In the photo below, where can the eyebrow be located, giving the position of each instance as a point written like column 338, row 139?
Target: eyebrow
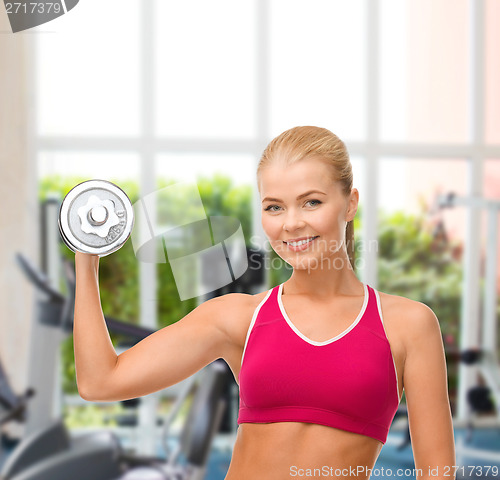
column 269, row 199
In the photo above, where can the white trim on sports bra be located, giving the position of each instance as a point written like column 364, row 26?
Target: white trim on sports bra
column 379, row 306
column 254, row 318
column 331, row 340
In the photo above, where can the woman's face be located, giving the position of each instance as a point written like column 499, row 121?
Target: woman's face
column 291, row 211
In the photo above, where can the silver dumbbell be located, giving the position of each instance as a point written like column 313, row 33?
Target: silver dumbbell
column 96, row 217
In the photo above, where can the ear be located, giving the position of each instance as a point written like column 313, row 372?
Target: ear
column 352, row 205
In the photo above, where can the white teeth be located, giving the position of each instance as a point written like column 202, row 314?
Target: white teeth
column 296, row 244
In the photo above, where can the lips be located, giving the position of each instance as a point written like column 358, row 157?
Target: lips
column 302, row 246
column 295, row 240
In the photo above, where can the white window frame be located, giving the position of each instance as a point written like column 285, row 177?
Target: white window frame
column 371, row 151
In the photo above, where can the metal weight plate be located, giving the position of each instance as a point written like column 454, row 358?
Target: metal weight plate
column 96, row 217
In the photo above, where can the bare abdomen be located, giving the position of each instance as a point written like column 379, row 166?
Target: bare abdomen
column 287, row 450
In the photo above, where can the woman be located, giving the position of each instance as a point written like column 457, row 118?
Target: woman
column 321, row 360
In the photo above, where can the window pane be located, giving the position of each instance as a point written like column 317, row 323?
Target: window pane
column 240, row 168
column 103, row 166
column 88, row 74
column 492, row 179
column 318, row 65
column 415, row 236
column 204, row 213
column 411, row 185
column 424, row 70
column 492, row 99
column 205, row 60
column 393, row 71
column 420, row 250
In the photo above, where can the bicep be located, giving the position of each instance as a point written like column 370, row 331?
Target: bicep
column 426, row 389
column 171, row 354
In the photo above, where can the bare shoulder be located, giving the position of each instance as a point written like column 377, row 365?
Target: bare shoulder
column 233, row 318
column 411, row 319
column 235, row 311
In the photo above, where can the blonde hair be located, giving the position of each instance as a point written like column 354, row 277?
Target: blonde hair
column 299, row 143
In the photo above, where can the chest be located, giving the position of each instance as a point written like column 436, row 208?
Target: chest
column 346, row 375
column 320, row 321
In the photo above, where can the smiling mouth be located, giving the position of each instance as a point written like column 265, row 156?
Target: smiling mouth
column 301, row 242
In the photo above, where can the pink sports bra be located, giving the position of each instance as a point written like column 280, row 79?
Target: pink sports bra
column 348, row 382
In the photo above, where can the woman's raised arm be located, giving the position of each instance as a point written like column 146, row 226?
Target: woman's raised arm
column 160, row 360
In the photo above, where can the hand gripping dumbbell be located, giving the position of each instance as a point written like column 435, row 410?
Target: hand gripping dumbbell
column 96, row 217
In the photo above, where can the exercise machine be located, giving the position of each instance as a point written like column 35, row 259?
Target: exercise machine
column 479, row 353
column 51, row 453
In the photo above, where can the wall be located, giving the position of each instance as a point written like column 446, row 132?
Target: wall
column 18, row 206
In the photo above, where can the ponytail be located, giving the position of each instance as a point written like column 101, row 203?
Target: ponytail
column 349, row 240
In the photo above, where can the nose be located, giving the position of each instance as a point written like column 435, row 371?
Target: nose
column 293, row 221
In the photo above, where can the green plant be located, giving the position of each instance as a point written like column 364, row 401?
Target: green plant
column 415, row 263
column 119, row 272
column 412, row 262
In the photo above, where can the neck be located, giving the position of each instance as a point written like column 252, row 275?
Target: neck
column 324, row 283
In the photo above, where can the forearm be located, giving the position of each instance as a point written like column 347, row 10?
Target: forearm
column 95, row 356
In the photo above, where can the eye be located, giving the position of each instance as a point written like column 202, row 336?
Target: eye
column 269, row 208
column 317, row 201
